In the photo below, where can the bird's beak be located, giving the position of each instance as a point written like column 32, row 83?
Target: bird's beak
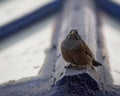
column 73, row 33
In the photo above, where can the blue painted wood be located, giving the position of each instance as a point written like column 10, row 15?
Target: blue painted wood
column 24, row 88
column 109, row 7
column 81, row 85
column 76, row 85
column 29, row 19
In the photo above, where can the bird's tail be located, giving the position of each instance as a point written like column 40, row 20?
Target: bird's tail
column 96, row 63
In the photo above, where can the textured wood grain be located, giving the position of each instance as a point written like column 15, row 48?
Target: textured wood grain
column 80, row 15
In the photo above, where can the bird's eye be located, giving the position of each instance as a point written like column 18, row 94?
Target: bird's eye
column 76, row 32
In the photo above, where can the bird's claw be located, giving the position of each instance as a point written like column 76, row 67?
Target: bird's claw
column 79, row 67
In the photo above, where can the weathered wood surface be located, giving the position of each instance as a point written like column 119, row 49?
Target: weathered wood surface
column 80, row 15
column 104, row 72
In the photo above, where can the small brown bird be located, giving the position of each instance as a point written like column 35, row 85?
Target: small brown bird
column 76, row 52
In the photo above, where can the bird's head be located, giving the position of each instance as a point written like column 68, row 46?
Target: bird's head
column 74, row 35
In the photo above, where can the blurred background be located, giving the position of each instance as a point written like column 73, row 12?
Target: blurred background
column 23, row 54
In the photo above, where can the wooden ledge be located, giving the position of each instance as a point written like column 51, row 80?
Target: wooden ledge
column 81, row 15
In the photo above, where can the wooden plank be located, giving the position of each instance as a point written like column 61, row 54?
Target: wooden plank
column 102, row 54
column 70, row 82
column 27, row 87
column 49, row 65
column 78, row 15
column 81, row 15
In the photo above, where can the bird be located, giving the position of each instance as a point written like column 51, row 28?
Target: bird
column 76, row 52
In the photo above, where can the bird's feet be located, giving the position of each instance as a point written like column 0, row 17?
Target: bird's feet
column 79, row 67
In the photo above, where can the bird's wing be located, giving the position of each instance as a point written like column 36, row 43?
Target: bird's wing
column 86, row 49
column 66, row 55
